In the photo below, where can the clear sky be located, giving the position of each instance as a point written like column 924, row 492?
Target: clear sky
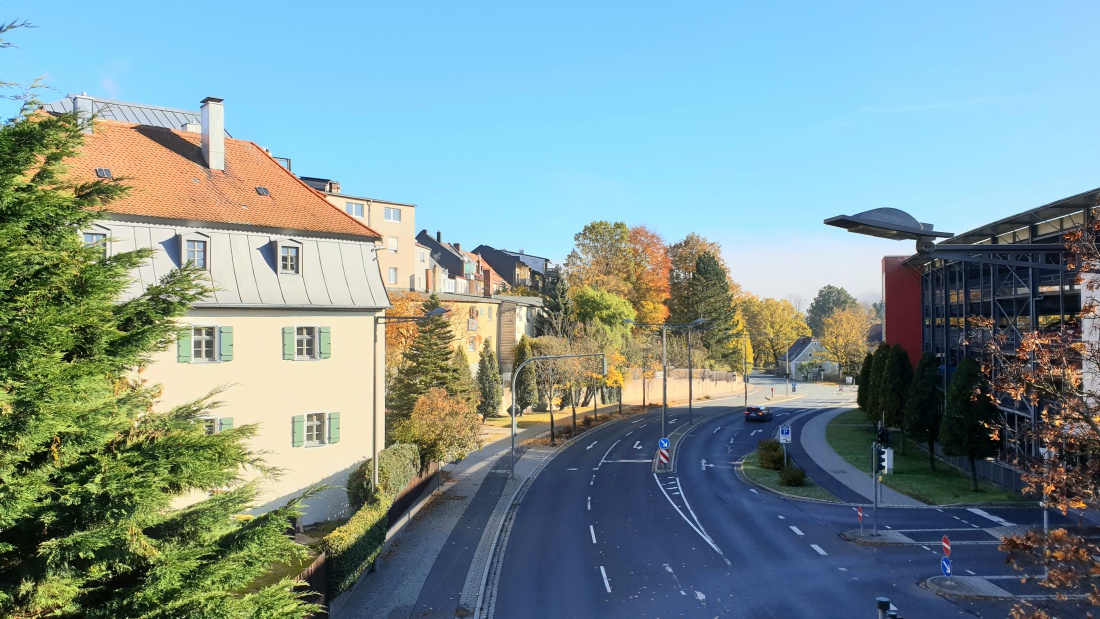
column 515, row 125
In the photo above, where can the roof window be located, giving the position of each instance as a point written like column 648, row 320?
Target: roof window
column 104, row 173
column 260, row 189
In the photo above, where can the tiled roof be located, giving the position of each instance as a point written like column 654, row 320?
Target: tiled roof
column 125, row 111
column 169, row 179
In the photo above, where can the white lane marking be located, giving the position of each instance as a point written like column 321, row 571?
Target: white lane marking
column 985, row 514
column 843, row 569
column 926, row 547
column 593, row 532
column 887, row 526
column 753, row 433
column 705, row 465
column 636, row 421
column 818, row 549
column 716, row 430
column 604, row 458
column 593, row 482
column 969, row 572
column 796, row 530
column 591, row 446
column 699, row 596
column 753, row 490
column 671, row 421
column 703, row 535
column 939, row 510
column 606, row 584
column 589, row 503
column 975, row 526
column 782, row 517
column 629, row 433
column 731, row 441
column 647, row 461
column 637, row 444
column 573, row 469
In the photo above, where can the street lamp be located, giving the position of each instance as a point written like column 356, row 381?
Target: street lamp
column 515, row 375
column 664, row 362
column 745, row 365
column 439, row 311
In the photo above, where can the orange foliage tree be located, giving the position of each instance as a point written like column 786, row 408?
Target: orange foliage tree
column 650, row 266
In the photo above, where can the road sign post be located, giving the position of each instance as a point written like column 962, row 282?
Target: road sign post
column 784, row 438
column 946, row 546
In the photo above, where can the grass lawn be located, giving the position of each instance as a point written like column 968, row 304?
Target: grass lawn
column 851, row 435
column 770, row 479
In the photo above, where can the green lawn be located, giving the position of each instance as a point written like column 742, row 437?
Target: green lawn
column 851, row 435
column 770, row 479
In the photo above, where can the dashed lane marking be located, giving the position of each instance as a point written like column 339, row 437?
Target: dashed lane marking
column 606, row 584
column 797, row 531
column 989, row 516
column 589, row 503
column 593, row 532
column 818, row 549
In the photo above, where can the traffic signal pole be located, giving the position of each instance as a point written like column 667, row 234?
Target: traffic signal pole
column 874, row 493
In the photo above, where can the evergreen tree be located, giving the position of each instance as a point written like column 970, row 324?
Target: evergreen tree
column 897, row 377
column 489, row 382
column 558, row 315
column 526, row 388
column 712, row 300
column 924, row 406
column 464, row 387
column 874, row 391
column 969, row 417
column 864, row 383
column 89, row 467
column 428, row 364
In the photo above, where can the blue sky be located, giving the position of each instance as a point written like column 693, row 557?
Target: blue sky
column 515, row 125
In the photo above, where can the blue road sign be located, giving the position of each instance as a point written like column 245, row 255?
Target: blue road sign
column 945, row 566
column 784, row 434
column 663, row 443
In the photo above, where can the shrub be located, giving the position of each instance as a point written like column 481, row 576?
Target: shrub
column 355, row 545
column 791, row 475
column 445, row 428
column 587, row 421
column 770, row 454
column 397, row 466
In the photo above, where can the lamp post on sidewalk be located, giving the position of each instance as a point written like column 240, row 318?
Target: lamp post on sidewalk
column 512, row 410
column 745, row 365
column 664, row 362
column 439, row 311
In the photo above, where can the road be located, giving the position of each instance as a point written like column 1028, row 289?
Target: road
column 600, row 534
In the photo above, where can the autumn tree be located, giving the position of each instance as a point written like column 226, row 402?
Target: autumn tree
column 844, row 336
column 489, row 382
column 683, row 257
column 773, row 325
column 601, row 258
column 649, row 273
column 924, row 406
column 604, row 310
column 550, row 374
column 829, row 300
column 442, row 426
column 969, row 417
column 400, row 334
column 427, row 364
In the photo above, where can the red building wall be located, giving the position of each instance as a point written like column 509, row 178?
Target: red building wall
column 901, row 322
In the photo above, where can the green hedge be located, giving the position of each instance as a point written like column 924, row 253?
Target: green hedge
column 397, row 466
column 350, row 549
column 770, row 453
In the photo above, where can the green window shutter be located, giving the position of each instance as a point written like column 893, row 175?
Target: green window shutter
column 298, row 431
column 288, row 343
column 183, row 347
column 334, row 427
column 225, row 423
column 225, row 343
column 325, row 335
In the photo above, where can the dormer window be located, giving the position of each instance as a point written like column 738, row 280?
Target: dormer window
column 289, row 257
column 195, row 249
column 104, row 173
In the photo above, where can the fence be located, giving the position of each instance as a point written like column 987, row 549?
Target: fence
column 314, row 578
column 993, row 471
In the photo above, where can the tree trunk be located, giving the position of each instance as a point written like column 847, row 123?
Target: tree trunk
column 551, row 422
column 973, row 474
column 932, row 455
column 643, row 393
column 620, row 400
column 573, row 403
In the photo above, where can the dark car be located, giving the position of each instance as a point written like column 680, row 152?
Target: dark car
column 758, row 413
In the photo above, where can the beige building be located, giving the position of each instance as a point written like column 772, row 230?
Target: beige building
column 288, row 330
column 394, row 221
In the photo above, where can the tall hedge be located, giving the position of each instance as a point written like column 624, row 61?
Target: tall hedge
column 350, row 549
column 397, row 466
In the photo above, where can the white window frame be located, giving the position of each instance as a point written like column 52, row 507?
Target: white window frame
column 471, row 343
column 210, row 424
column 186, row 238
column 391, row 244
column 423, row 255
column 190, row 253
column 319, row 423
column 391, row 275
column 351, row 207
column 316, row 341
column 392, row 213
column 286, row 247
column 215, row 343
column 105, row 239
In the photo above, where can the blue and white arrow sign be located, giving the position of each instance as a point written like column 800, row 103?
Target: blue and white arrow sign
column 663, row 443
column 945, row 566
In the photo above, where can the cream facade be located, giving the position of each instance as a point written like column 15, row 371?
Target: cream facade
column 397, row 253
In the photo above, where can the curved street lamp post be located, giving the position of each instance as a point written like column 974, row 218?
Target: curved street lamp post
column 698, row 322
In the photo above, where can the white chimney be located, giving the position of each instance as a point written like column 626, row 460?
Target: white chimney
column 213, row 133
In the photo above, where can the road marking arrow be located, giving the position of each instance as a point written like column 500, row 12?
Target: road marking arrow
column 591, row 446
column 716, row 430
column 754, row 432
column 637, row 445
column 705, row 465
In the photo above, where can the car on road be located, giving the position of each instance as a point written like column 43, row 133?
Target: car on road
column 758, row 413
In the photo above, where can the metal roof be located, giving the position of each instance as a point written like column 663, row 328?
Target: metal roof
column 124, row 111
column 1036, row 215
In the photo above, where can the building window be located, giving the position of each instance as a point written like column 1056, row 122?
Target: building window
column 471, row 344
column 392, row 275
column 355, row 209
column 210, row 425
column 423, row 256
column 196, row 253
column 315, row 429
column 214, row 425
column 489, row 312
column 288, row 260
column 306, row 343
column 393, row 214
column 204, row 344
column 391, row 244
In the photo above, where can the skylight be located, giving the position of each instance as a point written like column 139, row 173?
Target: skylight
column 262, row 190
column 104, row 173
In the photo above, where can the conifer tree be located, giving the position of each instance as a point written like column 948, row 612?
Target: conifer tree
column 897, row 377
column 89, row 466
column 464, row 388
column 874, row 391
column 864, row 385
column 969, row 417
column 526, row 387
column 427, row 364
column 924, row 406
column 488, row 382
column 558, row 318
column 712, row 300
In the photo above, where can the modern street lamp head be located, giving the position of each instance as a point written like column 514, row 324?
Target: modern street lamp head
column 697, row 322
column 890, row 223
column 627, row 321
column 439, row 311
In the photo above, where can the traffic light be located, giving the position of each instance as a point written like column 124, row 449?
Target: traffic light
column 883, row 436
column 882, row 462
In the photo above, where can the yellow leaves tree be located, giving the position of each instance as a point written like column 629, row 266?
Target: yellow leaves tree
column 444, row 428
column 774, row 325
column 649, row 270
column 844, row 336
column 400, row 335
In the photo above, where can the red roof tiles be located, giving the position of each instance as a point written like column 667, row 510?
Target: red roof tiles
column 169, row 179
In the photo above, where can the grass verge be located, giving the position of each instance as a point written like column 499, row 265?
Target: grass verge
column 770, row 479
column 851, row 435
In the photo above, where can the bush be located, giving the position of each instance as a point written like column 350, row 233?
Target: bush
column 354, row 546
column 587, row 421
column 770, row 454
column 398, row 465
column 791, row 475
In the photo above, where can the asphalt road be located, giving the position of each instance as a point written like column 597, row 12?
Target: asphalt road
column 600, row 535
